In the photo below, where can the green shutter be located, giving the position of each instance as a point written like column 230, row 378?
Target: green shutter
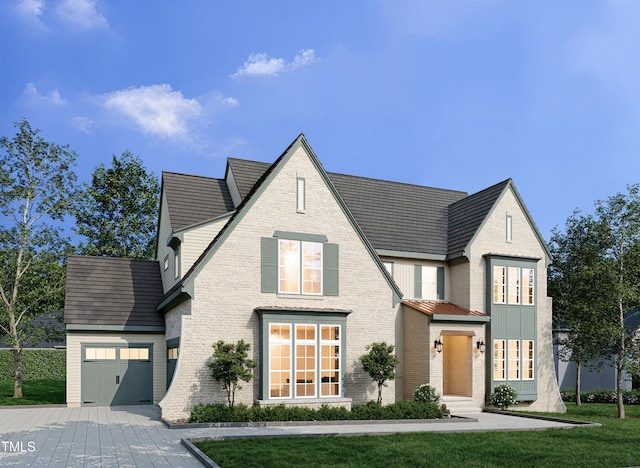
column 417, row 277
column 441, row 283
column 269, row 264
column 330, row 270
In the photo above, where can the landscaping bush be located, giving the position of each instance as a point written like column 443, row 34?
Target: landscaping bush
column 630, row 397
column 504, row 396
column 218, row 412
column 425, row 393
column 37, row 364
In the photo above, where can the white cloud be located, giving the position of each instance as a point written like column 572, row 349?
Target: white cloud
column 53, row 97
column 260, row 64
column 84, row 124
column 156, row 109
column 81, row 13
column 30, row 8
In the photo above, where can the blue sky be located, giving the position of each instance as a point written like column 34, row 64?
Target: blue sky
column 452, row 94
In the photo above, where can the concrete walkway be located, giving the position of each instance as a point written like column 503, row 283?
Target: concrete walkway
column 134, row 436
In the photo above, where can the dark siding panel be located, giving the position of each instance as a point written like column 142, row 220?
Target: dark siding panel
column 331, row 270
column 269, row 264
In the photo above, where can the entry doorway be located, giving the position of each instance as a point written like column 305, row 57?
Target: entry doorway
column 457, row 365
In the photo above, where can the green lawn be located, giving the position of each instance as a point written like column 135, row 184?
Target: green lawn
column 35, row 392
column 616, row 443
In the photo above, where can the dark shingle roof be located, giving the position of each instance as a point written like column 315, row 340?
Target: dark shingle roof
column 246, row 173
column 112, row 291
column 466, row 215
column 393, row 215
column 192, row 199
column 397, row 216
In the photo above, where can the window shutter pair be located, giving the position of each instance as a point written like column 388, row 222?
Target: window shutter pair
column 269, row 267
column 417, row 277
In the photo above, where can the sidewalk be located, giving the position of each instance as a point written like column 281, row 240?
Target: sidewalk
column 134, row 435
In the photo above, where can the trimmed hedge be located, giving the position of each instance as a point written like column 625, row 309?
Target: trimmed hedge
column 631, row 397
column 218, row 412
column 36, row 364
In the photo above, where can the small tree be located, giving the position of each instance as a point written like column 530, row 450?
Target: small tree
column 231, row 364
column 380, row 364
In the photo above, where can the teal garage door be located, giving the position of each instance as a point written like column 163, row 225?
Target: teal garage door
column 117, row 374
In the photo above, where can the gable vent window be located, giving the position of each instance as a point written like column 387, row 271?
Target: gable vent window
column 509, row 227
column 301, row 195
column 176, row 264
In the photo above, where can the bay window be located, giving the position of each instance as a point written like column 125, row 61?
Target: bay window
column 304, row 373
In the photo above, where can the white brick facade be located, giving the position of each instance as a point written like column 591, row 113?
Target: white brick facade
column 227, row 290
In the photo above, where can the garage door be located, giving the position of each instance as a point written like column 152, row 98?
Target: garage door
column 117, row 375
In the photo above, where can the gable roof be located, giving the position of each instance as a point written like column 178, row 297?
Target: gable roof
column 112, row 291
column 186, row 286
column 467, row 215
column 394, row 216
column 192, row 199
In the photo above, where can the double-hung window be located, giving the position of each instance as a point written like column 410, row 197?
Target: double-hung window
column 429, row 282
column 300, row 267
column 294, row 263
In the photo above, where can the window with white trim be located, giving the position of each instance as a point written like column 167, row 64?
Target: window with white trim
column 296, row 369
column 513, row 359
column 528, row 360
column 513, row 285
column 299, row 267
column 509, row 228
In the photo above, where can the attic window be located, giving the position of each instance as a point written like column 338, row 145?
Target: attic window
column 300, row 199
column 509, row 227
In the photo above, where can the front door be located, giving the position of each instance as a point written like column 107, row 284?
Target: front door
column 457, row 365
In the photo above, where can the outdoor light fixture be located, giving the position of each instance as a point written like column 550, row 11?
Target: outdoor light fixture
column 481, row 345
column 438, row 345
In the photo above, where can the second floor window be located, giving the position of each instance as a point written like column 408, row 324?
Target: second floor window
column 299, row 267
column 513, row 285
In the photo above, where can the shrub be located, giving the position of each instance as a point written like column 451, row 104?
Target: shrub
column 425, row 393
column 219, row 412
column 630, row 397
column 38, row 364
column 504, row 396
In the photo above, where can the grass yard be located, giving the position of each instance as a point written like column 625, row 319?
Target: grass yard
column 35, row 392
column 616, row 443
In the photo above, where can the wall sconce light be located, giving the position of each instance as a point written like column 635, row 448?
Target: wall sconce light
column 438, row 345
column 481, row 345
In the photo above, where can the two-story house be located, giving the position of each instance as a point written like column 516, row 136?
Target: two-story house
column 309, row 268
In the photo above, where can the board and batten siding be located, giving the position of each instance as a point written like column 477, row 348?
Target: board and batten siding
column 74, row 359
column 196, row 240
column 404, row 274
